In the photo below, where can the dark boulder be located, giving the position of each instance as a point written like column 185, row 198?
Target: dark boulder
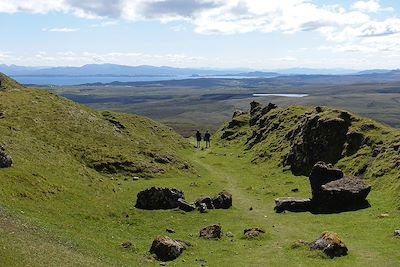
column 202, row 208
column 345, row 192
column 159, row 198
column 331, row 244
column 167, row 249
column 253, row 232
column 204, row 200
column 321, row 174
column 212, row 231
column 183, row 205
column 5, row 159
column 222, row 201
column 292, row 204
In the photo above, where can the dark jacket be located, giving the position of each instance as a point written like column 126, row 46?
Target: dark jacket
column 198, row 136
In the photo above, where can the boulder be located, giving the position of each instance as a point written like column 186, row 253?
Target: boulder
column 159, row 198
column 5, row 159
column 257, row 111
column 222, row 201
column 238, row 113
column 331, row 244
column 183, row 205
column 204, row 200
column 253, row 232
column 167, row 249
column 212, row 231
column 345, row 192
column 321, row 174
column 292, row 204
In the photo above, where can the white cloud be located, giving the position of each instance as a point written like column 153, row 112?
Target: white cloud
column 61, row 29
column 334, row 22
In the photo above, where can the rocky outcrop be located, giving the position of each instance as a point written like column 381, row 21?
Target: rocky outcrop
column 331, row 244
column 5, row 159
column 211, row 232
column 167, row 249
column 257, row 111
column 159, row 198
column 317, row 138
column 396, row 233
column 292, row 204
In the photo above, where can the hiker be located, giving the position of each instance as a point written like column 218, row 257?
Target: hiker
column 198, row 139
column 207, row 137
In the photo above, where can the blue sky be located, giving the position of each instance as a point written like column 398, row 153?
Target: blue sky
column 202, row 33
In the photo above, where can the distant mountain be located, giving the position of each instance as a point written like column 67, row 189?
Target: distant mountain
column 110, row 70
column 374, row 71
column 147, row 70
column 311, row 71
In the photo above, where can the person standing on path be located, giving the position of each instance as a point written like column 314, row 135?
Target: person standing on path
column 198, row 139
column 207, row 137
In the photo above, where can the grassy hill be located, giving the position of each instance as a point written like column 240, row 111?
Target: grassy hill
column 69, row 198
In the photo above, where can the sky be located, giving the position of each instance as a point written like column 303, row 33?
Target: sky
column 255, row 34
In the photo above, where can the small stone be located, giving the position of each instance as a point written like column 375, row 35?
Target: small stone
column 384, row 215
column 397, row 233
column 212, row 231
column 229, row 234
column 135, row 178
column 251, row 208
column 170, row 230
column 127, row 245
column 253, row 232
column 202, row 208
column 295, row 190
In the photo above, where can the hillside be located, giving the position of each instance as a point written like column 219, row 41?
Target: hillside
column 69, row 197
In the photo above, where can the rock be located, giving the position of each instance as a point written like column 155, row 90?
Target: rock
column 159, row 198
column 292, row 204
column 238, row 113
column 183, row 205
column 204, row 200
column 345, row 192
column 222, row 201
column 331, row 244
column 321, row 174
column 253, row 232
column 167, row 249
column 257, row 111
column 397, row 233
column 212, row 231
column 135, row 178
column 5, row 160
column 170, row 230
column 295, row 190
column 127, row 245
column 229, row 234
column 317, row 138
column 202, row 208
column 384, row 215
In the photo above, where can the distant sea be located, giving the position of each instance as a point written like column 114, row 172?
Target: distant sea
column 77, row 80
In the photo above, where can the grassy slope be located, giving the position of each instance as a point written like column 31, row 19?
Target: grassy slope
column 59, row 211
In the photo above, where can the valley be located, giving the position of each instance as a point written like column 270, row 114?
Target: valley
column 69, row 196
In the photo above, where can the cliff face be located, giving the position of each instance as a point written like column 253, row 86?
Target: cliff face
column 299, row 137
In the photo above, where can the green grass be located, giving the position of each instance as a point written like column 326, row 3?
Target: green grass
column 58, row 210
